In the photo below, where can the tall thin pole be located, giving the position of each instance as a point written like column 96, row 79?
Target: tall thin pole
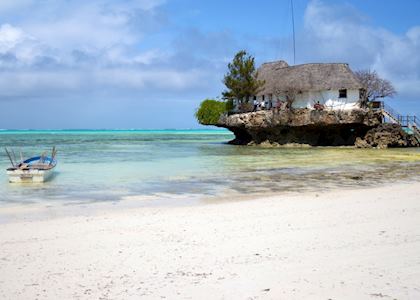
column 294, row 41
column 10, row 157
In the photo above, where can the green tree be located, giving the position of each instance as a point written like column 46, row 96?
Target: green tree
column 210, row 111
column 241, row 79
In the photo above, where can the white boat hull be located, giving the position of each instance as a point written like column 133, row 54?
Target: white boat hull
column 26, row 176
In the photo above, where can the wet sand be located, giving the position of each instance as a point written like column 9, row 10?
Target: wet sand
column 341, row 244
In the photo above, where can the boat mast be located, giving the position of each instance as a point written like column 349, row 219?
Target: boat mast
column 293, row 26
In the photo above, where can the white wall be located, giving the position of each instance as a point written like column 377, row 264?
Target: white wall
column 328, row 98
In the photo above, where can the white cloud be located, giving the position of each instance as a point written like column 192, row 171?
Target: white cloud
column 18, row 47
column 84, row 45
column 414, row 35
column 9, row 37
column 87, row 47
column 93, row 24
column 339, row 33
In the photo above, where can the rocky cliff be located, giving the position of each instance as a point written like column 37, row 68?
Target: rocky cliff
column 387, row 135
column 302, row 126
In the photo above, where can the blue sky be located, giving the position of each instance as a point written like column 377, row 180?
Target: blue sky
column 149, row 63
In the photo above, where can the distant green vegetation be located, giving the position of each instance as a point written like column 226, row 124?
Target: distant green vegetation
column 210, row 111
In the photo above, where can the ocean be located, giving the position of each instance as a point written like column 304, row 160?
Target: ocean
column 176, row 166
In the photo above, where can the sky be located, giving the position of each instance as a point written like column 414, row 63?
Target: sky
column 147, row 64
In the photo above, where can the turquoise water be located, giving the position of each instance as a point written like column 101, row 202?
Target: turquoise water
column 112, row 165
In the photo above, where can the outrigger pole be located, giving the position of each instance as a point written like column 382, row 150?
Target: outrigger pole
column 10, row 157
column 53, row 153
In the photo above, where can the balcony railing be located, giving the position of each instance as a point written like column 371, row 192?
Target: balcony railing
column 390, row 113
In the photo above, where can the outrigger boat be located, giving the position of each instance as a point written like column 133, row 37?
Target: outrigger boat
column 36, row 169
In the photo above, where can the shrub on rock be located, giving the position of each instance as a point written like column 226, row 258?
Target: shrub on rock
column 210, row 111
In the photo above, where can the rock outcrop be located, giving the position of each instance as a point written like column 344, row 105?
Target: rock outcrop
column 361, row 128
column 387, row 135
column 301, row 126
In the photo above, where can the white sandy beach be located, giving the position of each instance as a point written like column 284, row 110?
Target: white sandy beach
column 352, row 244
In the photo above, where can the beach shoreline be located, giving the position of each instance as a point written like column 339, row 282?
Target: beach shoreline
column 41, row 210
column 338, row 244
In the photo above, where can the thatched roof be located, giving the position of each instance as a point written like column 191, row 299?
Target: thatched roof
column 308, row 77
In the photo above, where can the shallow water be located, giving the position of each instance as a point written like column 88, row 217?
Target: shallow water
column 113, row 165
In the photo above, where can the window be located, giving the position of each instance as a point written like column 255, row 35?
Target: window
column 255, row 97
column 342, row 93
column 263, row 97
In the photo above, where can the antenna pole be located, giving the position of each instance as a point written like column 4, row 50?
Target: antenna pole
column 294, row 41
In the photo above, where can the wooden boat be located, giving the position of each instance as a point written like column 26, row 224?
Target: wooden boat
column 36, row 169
